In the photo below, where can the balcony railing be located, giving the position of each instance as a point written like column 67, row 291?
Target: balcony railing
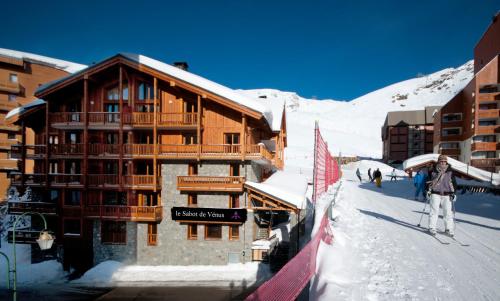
column 35, row 180
column 488, row 97
column 66, row 180
column 40, row 207
column 484, row 146
column 102, row 180
column 141, row 181
column 74, row 118
column 6, row 86
column 177, row 119
column 450, row 151
column 103, row 149
column 127, row 213
column 485, row 163
column 8, row 143
column 7, row 106
column 203, row 183
column 9, row 164
column 67, row 149
column 32, row 151
column 486, row 129
column 485, row 114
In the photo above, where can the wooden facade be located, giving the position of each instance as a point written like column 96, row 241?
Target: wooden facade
column 108, row 130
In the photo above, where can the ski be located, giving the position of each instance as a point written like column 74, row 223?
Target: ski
column 459, row 242
column 439, row 239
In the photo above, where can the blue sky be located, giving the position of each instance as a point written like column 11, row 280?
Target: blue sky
column 323, row 49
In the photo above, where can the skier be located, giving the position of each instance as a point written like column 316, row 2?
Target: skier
column 419, row 183
column 377, row 175
column 370, row 174
column 393, row 175
column 358, row 173
column 442, row 188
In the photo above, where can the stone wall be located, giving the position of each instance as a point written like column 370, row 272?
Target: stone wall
column 126, row 253
column 173, row 247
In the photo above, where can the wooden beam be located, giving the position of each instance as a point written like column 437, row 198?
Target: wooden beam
column 172, row 83
column 85, row 132
column 120, row 131
column 198, row 127
column 243, row 136
column 155, row 132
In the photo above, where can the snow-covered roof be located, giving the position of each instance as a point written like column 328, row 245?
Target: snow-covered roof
column 20, row 110
column 482, row 175
column 286, row 186
column 271, row 112
column 43, row 60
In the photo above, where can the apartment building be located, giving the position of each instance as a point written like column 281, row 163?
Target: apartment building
column 406, row 134
column 468, row 126
column 141, row 162
column 20, row 75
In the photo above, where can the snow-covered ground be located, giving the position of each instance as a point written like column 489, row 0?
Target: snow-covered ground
column 380, row 254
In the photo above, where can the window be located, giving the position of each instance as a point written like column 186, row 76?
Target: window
column 11, row 136
column 54, row 196
column 13, row 78
column 452, row 117
column 213, row 232
column 450, row 145
column 232, row 138
column 113, row 232
column 114, row 198
column 234, row 170
column 112, row 93
column 486, row 122
column 234, row 201
column 53, row 168
column 145, row 91
column 53, row 139
column 72, row 198
column 234, row 232
column 192, row 231
column 12, row 97
column 192, row 200
column 486, row 138
column 72, row 227
column 152, row 234
column 189, row 139
column 113, row 115
column 451, row 131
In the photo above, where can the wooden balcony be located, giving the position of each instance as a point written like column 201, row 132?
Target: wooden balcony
column 488, row 114
column 203, row 183
column 66, row 180
column 9, row 164
column 103, row 180
column 165, row 120
column 104, row 149
column 6, row 144
column 32, row 151
column 7, row 106
column 488, row 97
column 141, row 182
column 488, row 164
column 486, row 129
column 9, row 87
column 125, row 213
column 67, row 150
column 34, row 180
column 40, row 207
column 73, row 119
column 484, row 146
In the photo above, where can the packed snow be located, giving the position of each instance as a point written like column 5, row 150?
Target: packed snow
column 379, row 253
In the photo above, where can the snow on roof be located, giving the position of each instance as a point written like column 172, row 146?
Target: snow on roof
column 205, row 84
column 44, row 60
column 286, row 186
column 22, row 109
column 493, row 178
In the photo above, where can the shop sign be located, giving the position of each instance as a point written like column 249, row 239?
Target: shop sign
column 209, row 214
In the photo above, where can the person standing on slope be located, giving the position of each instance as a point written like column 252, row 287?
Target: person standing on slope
column 370, row 174
column 442, row 187
column 377, row 175
column 393, row 175
column 358, row 173
column 419, row 183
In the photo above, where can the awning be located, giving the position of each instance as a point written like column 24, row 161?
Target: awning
column 14, row 115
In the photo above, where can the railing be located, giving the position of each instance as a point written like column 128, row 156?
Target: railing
column 486, row 129
column 29, row 179
column 488, row 97
column 9, row 164
column 484, row 146
column 450, row 151
column 67, row 149
column 177, row 151
column 7, row 143
column 102, row 180
column 104, row 118
column 489, row 162
column 103, row 149
column 129, row 213
column 141, row 181
column 6, row 86
column 138, row 118
column 490, row 113
column 203, row 183
column 218, row 149
column 7, row 106
column 177, row 119
column 66, row 117
column 23, row 207
column 139, row 149
column 32, row 151
column 66, row 180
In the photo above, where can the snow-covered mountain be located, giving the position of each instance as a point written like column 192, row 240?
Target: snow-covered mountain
column 354, row 127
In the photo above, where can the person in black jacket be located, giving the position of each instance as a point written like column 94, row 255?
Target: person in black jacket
column 442, row 188
column 370, row 174
column 377, row 175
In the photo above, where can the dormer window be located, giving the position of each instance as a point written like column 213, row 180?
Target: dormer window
column 145, row 91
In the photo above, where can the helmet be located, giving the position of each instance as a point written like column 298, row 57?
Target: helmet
column 442, row 158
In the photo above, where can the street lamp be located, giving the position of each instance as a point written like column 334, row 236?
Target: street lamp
column 45, row 241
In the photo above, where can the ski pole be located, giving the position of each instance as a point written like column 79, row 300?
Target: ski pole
column 423, row 210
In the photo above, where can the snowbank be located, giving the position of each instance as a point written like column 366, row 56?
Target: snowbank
column 479, row 174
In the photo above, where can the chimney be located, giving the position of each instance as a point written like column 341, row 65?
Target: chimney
column 181, row 65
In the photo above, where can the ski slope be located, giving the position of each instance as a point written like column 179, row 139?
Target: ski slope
column 380, row 254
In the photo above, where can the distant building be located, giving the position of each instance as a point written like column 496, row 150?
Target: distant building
column 20, row 74
column 468, row 126
column 406, row 134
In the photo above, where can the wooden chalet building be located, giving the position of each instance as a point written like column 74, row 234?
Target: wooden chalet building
column 141, row 162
